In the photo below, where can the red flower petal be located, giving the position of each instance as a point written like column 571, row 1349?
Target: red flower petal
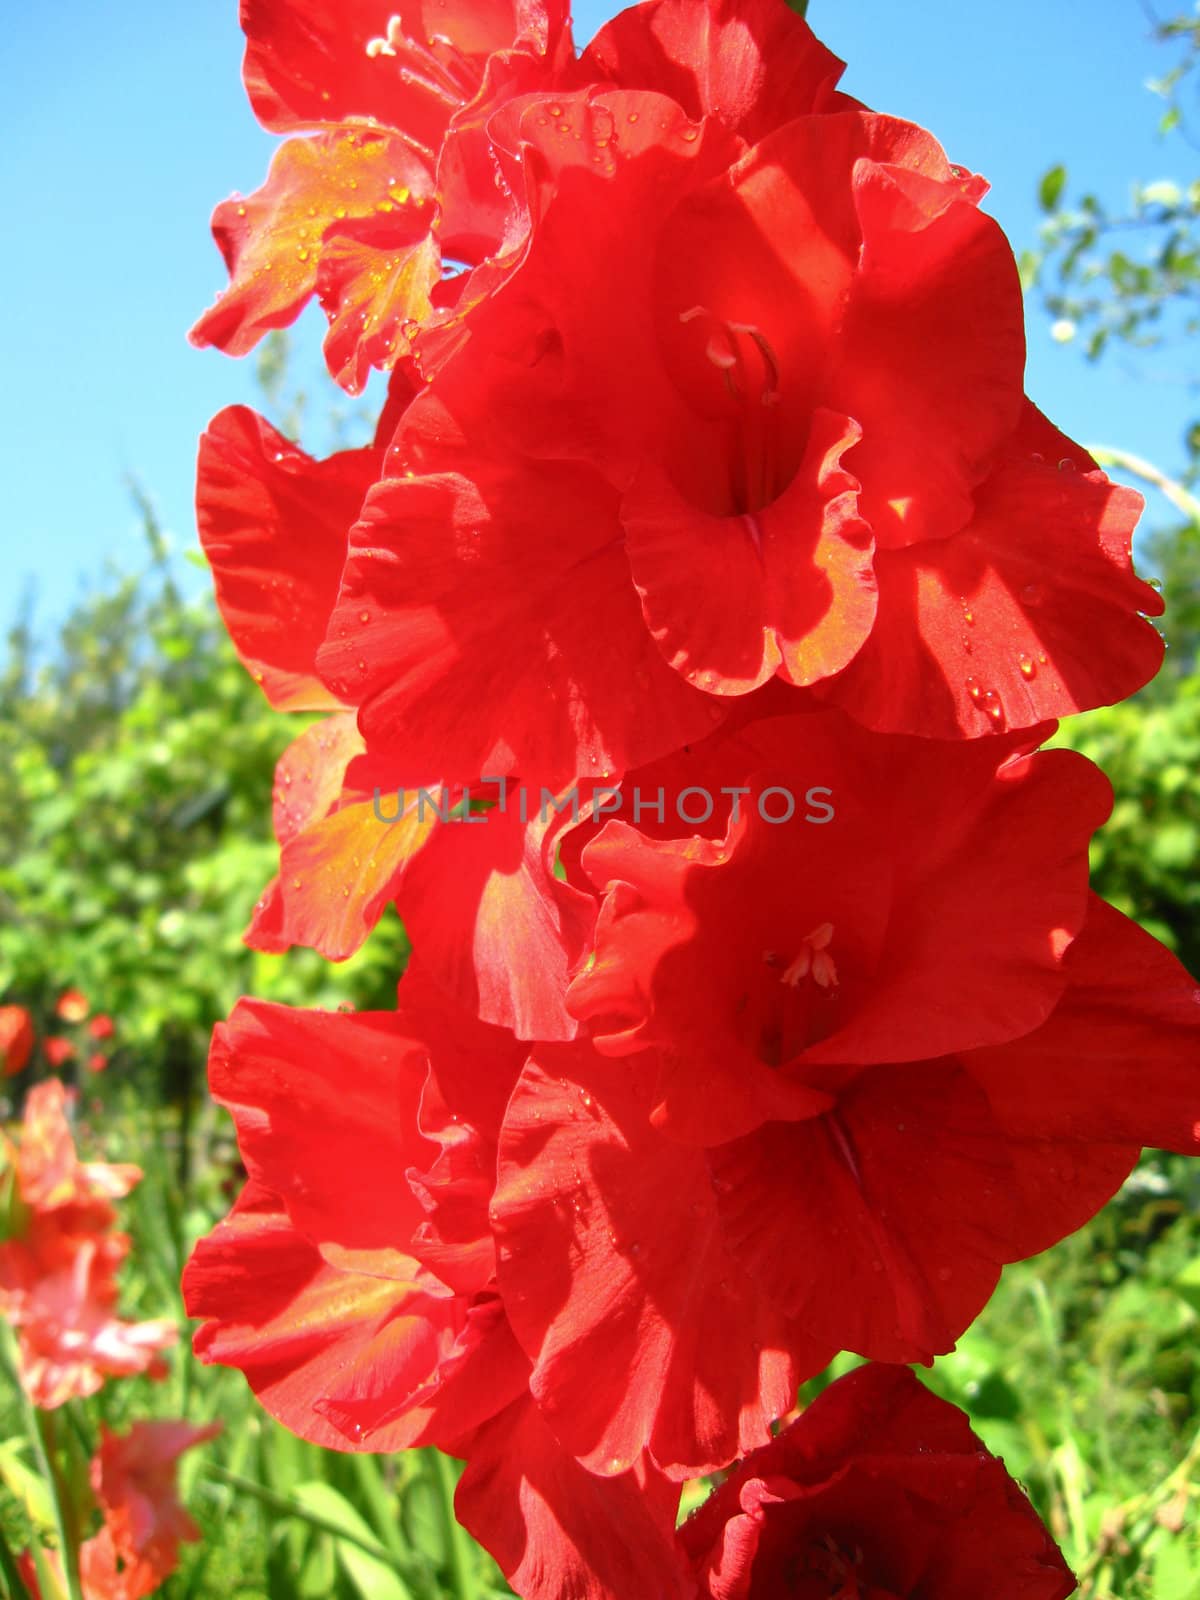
column 931, row 357
column 645, row 1331
column 317, row 1290
column 274, row 524
column 1118, row 1059
column 306, row 64
column 790, row 588
column 557, row 1529
column 312, row 1339
column 910, row 1197
column 333, row 209
column 520, row 566
column 16, row 1039
column 998, row 625
column 753, row 64
column 308, row 1089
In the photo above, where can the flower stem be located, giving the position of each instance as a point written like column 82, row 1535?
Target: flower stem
column 39, row 1427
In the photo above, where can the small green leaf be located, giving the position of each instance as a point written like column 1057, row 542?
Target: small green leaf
column 1051, row 187
column 25, row 1485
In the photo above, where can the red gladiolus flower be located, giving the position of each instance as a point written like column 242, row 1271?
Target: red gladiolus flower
column 59, row 1264
column 16, row 1039
column 848, row 933
column 879, row 1491
column 133, row 1477
column 52, row 1180
column 785, row 386
column 393, row 172
column 368, row 1317
column 58, row 1051
column 710, row 478
column 101, row 1026
column 72, row 1005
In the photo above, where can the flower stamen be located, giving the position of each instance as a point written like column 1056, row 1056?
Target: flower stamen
column 813, row 959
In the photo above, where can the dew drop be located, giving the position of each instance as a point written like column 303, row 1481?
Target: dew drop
column 364, row 616
column 1027, row 665
column 1066, row 465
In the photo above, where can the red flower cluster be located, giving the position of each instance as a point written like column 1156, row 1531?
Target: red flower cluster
column 687, row 638
column 74, row 1008
column 59, row 1259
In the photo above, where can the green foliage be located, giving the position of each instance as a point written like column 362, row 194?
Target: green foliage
column 1143, row 860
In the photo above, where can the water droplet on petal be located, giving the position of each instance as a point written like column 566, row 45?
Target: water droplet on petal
column 1027, row 665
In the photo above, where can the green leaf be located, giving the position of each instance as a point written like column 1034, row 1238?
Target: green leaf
column 1051, row 187
column 25, row 1485
column 373, row 1577
column 1176, row 1573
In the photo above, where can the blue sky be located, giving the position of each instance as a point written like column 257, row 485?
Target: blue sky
column 124, row 123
